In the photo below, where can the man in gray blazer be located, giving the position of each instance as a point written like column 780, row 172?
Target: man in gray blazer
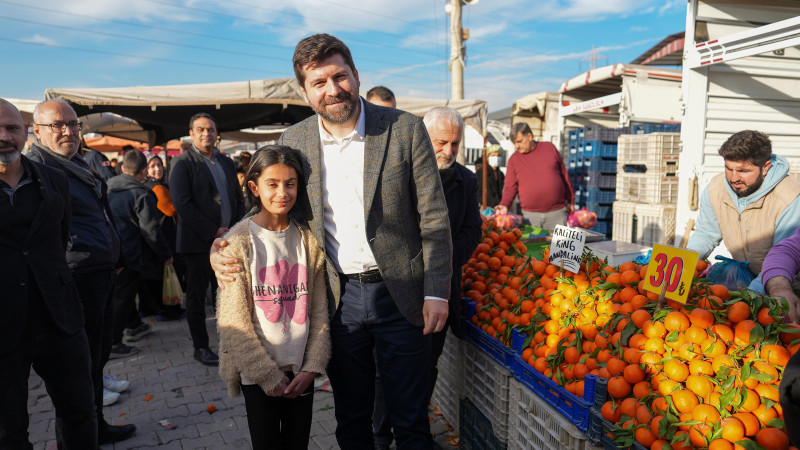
column 376, row 205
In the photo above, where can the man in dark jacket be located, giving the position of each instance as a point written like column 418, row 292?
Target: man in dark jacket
column 41, row 322
column 446, row 129
column 99, row 163
column 144, row 246
column 93, row 250
column 207, row 196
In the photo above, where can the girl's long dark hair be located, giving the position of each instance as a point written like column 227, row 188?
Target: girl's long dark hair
column 270, row 155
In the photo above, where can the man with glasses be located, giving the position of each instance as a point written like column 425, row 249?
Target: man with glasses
column 41, row 323
column 93, row 250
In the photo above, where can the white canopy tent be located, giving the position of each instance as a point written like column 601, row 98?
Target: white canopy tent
column 262, row 108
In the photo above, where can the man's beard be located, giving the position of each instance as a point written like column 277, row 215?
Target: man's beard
column 748, row 190
column 444, row 164
column 342, row 113
column 9, row 156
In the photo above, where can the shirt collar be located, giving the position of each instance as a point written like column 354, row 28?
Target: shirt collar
column 214, row 153
column 360, row 128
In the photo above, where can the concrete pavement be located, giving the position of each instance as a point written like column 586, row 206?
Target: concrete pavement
column 168, row 384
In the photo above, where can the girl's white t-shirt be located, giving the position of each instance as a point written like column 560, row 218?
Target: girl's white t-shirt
column 279, row 275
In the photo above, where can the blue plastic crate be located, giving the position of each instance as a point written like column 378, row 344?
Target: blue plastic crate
column 647, row 128
column 573, row 135
column 599, row 164
column 595, row 432
column 604, row 196
column 602, row 227
column 489, row 345
column 599, row 180
column 602, row 210
column 574, row 408
column 475, row 429
column 599, row 148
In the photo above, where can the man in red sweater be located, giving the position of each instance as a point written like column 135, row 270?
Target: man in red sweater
column 537, row 173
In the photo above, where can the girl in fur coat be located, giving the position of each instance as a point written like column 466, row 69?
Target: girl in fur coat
column 273, row 320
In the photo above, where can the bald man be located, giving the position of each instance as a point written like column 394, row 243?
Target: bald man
column 41, row 322
column 93, row 251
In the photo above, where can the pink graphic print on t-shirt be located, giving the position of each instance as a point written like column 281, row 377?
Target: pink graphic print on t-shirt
column 283, row 293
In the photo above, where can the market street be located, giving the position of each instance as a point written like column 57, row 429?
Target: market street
column 182, row 390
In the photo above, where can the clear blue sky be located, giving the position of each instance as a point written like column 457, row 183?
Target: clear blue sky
column 516, row 47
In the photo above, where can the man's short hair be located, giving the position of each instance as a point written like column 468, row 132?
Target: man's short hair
column 37, row 115
column 445, row 114
column 315, row 49
column 133, row 162
column 202, row 115
column 748, row 145
column 519, row 127
column 382, row 92
column 127, row 148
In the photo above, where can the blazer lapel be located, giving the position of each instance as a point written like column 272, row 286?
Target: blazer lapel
column 312, row 148
column 374, row 153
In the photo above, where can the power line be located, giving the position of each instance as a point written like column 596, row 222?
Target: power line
column 260, row 22
column 127, row 55
column 136, row 38
column 176, row 31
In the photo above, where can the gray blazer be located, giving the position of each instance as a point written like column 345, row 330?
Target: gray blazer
column 406, row 218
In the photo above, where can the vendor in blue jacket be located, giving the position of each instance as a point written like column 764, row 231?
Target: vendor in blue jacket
column 752, row 206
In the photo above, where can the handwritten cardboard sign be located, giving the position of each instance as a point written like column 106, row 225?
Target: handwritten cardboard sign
column 670, row 271
column 567, row 246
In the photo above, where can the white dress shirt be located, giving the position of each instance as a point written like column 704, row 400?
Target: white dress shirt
column 342, row 171
column 343, row 199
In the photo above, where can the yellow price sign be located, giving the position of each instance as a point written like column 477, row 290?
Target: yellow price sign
column 670, row 271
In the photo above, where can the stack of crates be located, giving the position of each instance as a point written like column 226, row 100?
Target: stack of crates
column 592, row 166
column 647, row 187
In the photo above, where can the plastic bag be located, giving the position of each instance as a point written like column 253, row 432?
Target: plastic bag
column 507, row 221
column 171, row 293
column 730, row 273
column 582, row 218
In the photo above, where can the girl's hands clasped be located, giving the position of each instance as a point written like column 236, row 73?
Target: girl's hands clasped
column 299, row 385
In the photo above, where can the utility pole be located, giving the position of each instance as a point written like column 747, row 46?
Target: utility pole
column 457, row 49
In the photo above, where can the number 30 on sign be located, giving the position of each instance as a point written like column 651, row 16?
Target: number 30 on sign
column 671, row 270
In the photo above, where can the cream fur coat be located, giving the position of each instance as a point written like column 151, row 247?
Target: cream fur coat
column 240, row 350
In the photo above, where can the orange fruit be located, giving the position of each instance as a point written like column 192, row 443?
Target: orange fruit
column 701, row 367
column 750, row 422
column 701, row 318
column 775, row 354
column 676, row 370
column 764, row 415
column 656, row 330
column 772, row 439
column 700, row 385
column 738, row 312
column 764, row 318
column 706, row 414
column 720, row 444
column 616, row 366
column 645, row 437
column 751, row 400
column 695, row 334
column 676, row 321
column 639, row 317
column 742, row 330
column 628, row 407
column 732, row 429
column 633, row 374
column 699, row 434
column 685, row 401
column 641, row 389
column 610, row 412
column 618, row 387
column 713, row 347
